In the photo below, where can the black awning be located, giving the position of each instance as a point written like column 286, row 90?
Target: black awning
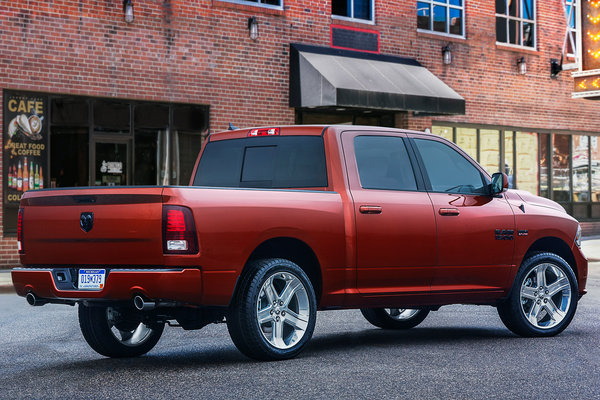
column 324, row 77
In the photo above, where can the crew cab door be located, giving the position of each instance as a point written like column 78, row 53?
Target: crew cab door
column 475, row 231
column 395, row 226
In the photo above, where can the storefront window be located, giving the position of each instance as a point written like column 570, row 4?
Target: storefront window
column 147, row 156
column 70, row 112
column 544, row 165
column 508, row 166
column 443, row 131
column 489, row 150
column 466, row 139
column 595, row 150
column 580, row 162
column 130, row 142
column 186, row 159
column 527, row 162
column 111, row 116
column 69, row 158
column 561, row 179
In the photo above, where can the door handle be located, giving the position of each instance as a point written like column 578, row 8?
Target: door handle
column 370, row 209
column 449, row 211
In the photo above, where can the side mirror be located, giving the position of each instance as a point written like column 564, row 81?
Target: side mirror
column 499, row 183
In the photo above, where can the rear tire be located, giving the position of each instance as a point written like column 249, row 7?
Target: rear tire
column 273, row 314
column 117, row 332
column 543, row 299
column 394, row 318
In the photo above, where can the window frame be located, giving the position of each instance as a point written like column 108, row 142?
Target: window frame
column 572, row 28
column 447, row 6
column 256, row 3
column 351, row 17
column 520, row 20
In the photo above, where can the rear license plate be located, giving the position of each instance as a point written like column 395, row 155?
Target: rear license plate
column 91, row 279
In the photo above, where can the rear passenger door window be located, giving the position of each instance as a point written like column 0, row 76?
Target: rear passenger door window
column 383, row 163
column 448, row 170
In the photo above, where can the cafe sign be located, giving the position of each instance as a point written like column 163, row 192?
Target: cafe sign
column 25, row 149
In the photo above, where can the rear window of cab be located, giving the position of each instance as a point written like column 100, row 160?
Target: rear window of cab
column 264, row 162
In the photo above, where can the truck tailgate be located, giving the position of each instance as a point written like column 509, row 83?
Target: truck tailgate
column 126, row 228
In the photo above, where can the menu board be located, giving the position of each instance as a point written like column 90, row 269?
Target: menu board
column 25, row 149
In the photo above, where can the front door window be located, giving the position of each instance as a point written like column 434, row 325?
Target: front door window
column 448, row 170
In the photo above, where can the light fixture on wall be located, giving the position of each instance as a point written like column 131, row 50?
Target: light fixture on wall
column 447, row 55
column 521, row 65
column 128, row 11
column 555, row 67
column 253, row 28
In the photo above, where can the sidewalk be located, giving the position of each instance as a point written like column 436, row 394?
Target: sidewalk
column 6, row 282
column 590, row 246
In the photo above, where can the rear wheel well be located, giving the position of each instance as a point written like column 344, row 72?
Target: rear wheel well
column 556, row 246
column 296, row 251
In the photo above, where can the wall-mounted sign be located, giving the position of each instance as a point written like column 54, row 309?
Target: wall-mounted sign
column 587, row 82
column 25, row 144
column 111, row 167
column 348, row 38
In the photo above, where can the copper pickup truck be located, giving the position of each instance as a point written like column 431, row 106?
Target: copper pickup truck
column 280, row 222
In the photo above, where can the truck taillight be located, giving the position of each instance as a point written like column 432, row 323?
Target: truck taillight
column 20, row 232
column 179, row 231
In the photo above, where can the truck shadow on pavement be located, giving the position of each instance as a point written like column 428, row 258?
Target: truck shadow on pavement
column 414, row 337
column 226, row 355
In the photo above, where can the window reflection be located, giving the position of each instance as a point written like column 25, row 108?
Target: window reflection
column 560, row 169
column 527, row 163
column 489, row 150
column 595, row 150
column 544, row 165
column 580, row 168
column 443, row 131
column 509, row 164
column 466, row 139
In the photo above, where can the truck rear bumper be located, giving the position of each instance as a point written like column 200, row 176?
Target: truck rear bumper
column 181, row 285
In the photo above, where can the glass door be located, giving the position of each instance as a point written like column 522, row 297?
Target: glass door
column 111, row 162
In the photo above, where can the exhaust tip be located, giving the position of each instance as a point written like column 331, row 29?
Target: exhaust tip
column 31, row 299
column 139, row 303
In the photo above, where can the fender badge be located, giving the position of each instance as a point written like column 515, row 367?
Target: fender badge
column 86, row 221
column 523, row 232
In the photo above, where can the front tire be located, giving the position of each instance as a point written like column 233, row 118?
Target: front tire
column 117, row 332
column 543, row 299
column 273, row 314
column 394, row 318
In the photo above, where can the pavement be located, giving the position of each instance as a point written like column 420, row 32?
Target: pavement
column 590, row 246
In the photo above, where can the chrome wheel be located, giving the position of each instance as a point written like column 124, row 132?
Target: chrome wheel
column 401, row 314
column 127, row 333
column 545, row 296
column 283, row 310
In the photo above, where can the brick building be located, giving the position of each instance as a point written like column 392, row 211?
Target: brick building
column 91, row 99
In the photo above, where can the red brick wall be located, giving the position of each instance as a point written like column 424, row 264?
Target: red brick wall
column 199, row 52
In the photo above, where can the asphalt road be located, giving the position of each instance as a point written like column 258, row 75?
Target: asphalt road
column 458, row 352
